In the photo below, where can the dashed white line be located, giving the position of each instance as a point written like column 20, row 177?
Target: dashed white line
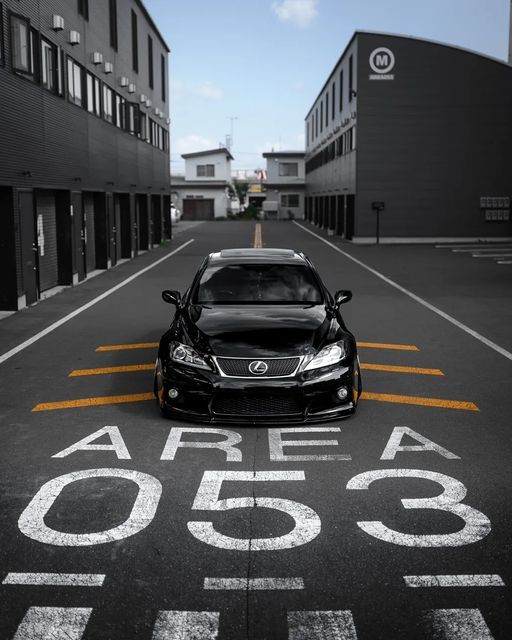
column 319, row 625
column 88, row 305
column 413, row 296
column 55, row 623
column 455, row 624
column 186, row 625
column 460, row 580
column 55, row 579
column 253, row 584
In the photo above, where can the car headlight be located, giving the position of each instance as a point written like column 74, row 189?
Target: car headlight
column 332, row 354
column 186, row 355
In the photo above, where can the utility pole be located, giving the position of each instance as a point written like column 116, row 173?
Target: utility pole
column 233, row 118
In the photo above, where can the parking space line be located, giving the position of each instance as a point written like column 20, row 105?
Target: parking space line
column 88, row 305
column 413, row 296
column 105, row 370
column 399, row 369
column 178, row 625
column 55, row 579
column 93, row 402
column 477, row 580
column 454, row 624
column 253, row 584
column 420, row 401
column 124, row 347
column 57, row 623
column 384, row 345
column 318, row 625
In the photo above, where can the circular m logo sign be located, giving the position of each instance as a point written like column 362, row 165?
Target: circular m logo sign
column 382, row 60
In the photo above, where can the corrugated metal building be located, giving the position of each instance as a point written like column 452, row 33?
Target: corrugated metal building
column 84, row 141
column 422, row 128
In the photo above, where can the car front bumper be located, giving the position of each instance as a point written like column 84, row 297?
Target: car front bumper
column 307, row 397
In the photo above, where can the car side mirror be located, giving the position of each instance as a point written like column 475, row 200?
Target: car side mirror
column 171, row 297
column 342, row 296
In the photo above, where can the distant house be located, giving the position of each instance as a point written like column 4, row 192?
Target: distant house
column 284, row 185
column 204, row 192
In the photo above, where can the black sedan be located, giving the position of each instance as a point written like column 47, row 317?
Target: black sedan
column 257, row 337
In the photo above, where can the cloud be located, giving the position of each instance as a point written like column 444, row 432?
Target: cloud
column 298, row 12
column 192, row 143
column 208, row 90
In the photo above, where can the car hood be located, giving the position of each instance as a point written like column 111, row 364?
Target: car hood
column 260, row 330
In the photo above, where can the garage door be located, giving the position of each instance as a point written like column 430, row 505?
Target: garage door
column 90, row 249
column 47, row 240
column 198, row 209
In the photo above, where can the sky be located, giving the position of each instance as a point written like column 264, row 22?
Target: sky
column 255, row 68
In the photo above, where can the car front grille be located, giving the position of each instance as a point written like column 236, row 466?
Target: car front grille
column 239, row 367
column 256, row 405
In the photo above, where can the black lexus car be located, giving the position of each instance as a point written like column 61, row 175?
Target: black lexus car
column 257, row 337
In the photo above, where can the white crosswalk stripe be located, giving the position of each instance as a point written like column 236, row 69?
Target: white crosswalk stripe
column 456, row 624
column 186, row 625
column 321, row 625
column 53, row 623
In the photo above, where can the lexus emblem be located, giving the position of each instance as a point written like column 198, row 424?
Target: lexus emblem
column 258, row 367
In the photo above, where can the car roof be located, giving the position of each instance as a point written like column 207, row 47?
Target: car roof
column 283, row 256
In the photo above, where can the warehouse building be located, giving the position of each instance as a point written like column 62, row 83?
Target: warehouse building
column 84, row 153
column 411, row 140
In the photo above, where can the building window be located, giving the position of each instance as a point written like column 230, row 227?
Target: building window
column 133, row 119
column 290, row 200
column 120, row 111
column 288, row 168
column 22, row 60
column 150, row 61
column 205, row 170
column 316, row 123
column 350, row 78
column 149, row 131
column 113, row 23
column 75, row 75
column 49, row 66
column 307, row 132
column 83, row 8
column 61, row 70
column 107, row 104
column 353, row 139
column 341, row 90
column 93, row 95
column 135, row 43
column 333, row 100
column 326, row 108
column 163, row 77
column 142, row 126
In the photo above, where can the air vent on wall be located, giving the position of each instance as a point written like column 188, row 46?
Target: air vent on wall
column 148, row 102
column 143, row 98
column 132, row 88
column 97, row 57
column 109, row 67
column 57, row 22
column 74, row 37
column 123, row 81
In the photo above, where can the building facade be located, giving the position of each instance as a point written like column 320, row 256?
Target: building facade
column 284, row 184
column 84, row 153
column 417, row 131
column 204, row 192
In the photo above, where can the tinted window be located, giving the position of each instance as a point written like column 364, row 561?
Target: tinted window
column 258, row 284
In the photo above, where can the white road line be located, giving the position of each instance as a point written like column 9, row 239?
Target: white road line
column 491, row 255
column 186, row 625
column 477, row 580
column 253, row 584
column 504, row 261
column 455, row 624
column 321, row 625
column 56, row 579
column 53, row 623
column 84, row 307
column 483, row 249
column 460, row 325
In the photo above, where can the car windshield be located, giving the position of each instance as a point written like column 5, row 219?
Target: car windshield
column 258, row 284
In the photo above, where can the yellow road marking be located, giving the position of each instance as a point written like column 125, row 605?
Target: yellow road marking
column 122, row 347
column 397, row 369
column 104, row 370
column 93, row 402
column 424, row 402
column 383, row 345
column 258, row 244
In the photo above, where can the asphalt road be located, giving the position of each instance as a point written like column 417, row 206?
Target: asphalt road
column 111, row 526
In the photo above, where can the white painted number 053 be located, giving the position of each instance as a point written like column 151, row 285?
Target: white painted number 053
column 307, row 523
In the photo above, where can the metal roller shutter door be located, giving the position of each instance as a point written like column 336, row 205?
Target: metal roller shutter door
column 47, row 240
column 201, row 209
column 90, row 246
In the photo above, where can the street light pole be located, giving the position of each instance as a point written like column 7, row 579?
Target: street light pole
column 232, row 118
column 510, row 37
